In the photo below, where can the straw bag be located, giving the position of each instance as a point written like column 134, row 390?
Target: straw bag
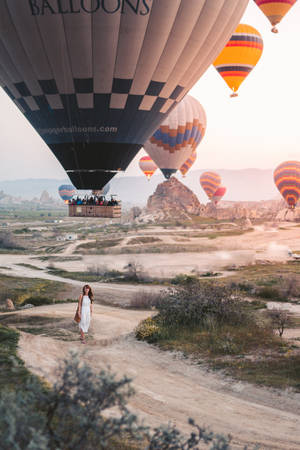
column 77, row 316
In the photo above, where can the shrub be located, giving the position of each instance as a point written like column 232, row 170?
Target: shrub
column 183, row 279
column 270, row 293
column 38, row 301
column 76, row 414
column 192, row 304
column 144, row 300
column 147, row 330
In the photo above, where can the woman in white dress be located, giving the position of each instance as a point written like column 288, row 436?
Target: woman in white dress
column 85, row 310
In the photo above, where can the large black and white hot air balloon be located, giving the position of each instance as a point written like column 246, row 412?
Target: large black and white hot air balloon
column 95, row 78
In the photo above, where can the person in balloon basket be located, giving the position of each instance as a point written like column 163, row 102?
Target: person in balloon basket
column 85, row 310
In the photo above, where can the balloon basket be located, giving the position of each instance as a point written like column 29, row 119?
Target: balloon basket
column 274, row 30
column 234, row 94
column 112, row 212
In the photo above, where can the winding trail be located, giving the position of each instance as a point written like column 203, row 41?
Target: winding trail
column 168, row 387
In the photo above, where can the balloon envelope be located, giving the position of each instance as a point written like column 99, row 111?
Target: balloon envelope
column 178, row 136
column 210, row 181
column 147, row 166
column 275, row 10
column 218, row 195
column 66, row 191
column 96, row 78
column 239, row 56
column 287, row 181
column 188, row 163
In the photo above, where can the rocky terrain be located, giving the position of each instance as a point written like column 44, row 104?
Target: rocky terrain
column 173, row 200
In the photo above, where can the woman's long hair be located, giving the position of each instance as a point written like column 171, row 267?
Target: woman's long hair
column 90, row 294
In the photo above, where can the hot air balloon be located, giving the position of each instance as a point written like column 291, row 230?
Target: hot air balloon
column 66, row 192
column 210, row 181
column 287, row 180
column 188, row 164
column 275, row 10
column 147, row 166
column 239, row 56
column 96, row 78
column 218, row 195
column 178, row 136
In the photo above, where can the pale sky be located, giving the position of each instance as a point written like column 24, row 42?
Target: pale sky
column 258, row 129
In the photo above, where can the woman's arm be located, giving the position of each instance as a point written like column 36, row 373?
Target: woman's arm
column 91, row 307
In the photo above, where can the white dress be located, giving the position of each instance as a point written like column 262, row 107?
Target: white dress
column 85, row 314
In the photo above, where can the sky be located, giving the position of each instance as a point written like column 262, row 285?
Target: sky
column 258, row 129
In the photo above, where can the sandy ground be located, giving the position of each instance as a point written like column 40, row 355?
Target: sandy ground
column 168, row 387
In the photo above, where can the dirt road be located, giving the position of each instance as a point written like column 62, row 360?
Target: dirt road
column 168, row 387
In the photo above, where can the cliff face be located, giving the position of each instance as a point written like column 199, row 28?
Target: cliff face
column 173, row 199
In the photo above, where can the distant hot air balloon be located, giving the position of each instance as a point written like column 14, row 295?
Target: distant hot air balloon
column 287, row 180
column 96, row 78
column 66, row 192
column 210, row 181
column 147, row 166
column 239, row 56
column 178, row 136
column 275, row 10
column 188, row 164
column 218, row 195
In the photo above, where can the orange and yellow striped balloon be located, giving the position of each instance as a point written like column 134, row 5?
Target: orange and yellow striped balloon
column 210, row 181
column 275, row 10
column 147, row 166
column 287, row 180
column 239, row 56
column 188, row 164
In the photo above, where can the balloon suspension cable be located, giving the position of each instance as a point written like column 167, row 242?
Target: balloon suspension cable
column 234, row 94
column 274, row 30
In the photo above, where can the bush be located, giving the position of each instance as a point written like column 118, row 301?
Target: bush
column 147, row 330
column 76, row 414
column 194, row 304
column 270, row 293
column 38, row 301
column 144, row 300
column 184, row 279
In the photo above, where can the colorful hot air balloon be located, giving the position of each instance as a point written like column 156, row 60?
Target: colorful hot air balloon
column 178, row 136
column 275, row 10
column 147, row 166
column 188, row 164
column 210, row 181
column 287, row 180
column 66, row 192
column 218, row 195
column 96, row 78
column 239, row 56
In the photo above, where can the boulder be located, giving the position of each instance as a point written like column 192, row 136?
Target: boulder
column 9, row 304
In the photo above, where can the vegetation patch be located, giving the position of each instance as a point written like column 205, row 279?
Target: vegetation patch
column 97, row 246
column 12, row 369
column 29, row 266
column 214, row 323
column 20, row 289
column 143, row 240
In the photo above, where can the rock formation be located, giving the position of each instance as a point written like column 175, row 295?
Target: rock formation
column 172, row 200
column 9, row 304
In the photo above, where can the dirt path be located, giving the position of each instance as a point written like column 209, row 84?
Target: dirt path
column 169, row 388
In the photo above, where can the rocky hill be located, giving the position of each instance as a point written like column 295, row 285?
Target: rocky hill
column 171, row 200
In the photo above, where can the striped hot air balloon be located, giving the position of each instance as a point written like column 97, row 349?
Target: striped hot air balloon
column 239, row 56
column 218, row 195
column 275, row 10
column 147, row 166
column 188, row 164
column 178, row 136
column 210, row 181
column 287, row 181
column 66, row 192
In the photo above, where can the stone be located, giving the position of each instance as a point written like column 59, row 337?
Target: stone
column 9, row 304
